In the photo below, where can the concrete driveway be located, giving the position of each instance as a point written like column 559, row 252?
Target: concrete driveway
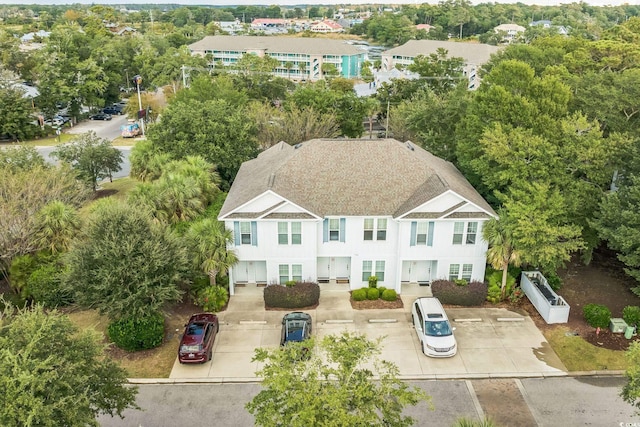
column 492, row 342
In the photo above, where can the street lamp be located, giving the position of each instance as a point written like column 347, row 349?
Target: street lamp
column 137, row 80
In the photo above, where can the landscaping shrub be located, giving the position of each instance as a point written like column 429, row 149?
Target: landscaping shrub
column 212, row 298
column 137, row 334
column 597, row 315
column 290, row 283
column 45, row 286
column 494, row 290
column 381, row 289
column 373, row 294
column 448, row 292
column 303, row 294
column 389, row 295
column 553, row 279
column 631, row 315
column 373, row 281
column 516, row 296
column 461, row 282
column 359, row 294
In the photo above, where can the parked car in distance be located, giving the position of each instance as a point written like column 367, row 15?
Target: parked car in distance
column 196, row 345
column 433, row 328
column 100, row 116
column 112, row 110
column 56, row 121
column 296, row 327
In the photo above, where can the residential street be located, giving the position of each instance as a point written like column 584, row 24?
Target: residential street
column 126, row 166
column 547, row 402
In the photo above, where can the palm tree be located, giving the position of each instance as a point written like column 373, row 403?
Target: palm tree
column 502, row 251
column 302, row 66
column 203, row 172
column 288, row 65
column 57, row 223
column 180, row 197
column 208, row 240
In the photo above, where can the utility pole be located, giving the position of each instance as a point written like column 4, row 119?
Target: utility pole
column 386, row 128
column 137, row 79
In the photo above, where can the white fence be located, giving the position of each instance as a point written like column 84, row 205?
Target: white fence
column 552, row 307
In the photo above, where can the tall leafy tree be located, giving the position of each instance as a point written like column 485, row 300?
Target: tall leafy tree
column 53, row 374
column 215, row 130
column 618, row 222
column 94, row 158
column 631, row 390
column 539, row 228
column 23, row 193
column 326, row 383
column 440, row 72
column 125, row 266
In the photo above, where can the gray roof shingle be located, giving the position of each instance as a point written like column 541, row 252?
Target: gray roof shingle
column 350, row 177
column 312, row 46
column 472, row 53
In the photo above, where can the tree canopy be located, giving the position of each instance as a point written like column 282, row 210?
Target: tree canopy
column 53, row 374
column 331, row 382
column 125, row 265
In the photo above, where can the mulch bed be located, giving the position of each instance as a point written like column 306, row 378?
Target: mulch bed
column 311, row 307
column 375, row 304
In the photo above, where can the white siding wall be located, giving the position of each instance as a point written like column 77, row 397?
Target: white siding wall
column 395, row 249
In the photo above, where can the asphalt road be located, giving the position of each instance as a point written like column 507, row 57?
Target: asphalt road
column 126, row 165
column 561, row 401
column 108, row 129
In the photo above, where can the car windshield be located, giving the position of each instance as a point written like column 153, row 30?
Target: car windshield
column 295, row 330
column 438, row 328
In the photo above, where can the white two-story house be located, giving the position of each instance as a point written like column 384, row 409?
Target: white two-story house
column 341, row 210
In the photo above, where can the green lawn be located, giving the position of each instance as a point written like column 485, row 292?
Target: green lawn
column 579, row 355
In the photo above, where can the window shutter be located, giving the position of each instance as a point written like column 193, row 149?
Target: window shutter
column 343, row 226
column 254, row 233
column 236, row 233
column 414, row 226
column 430, row 234
column 325, row 230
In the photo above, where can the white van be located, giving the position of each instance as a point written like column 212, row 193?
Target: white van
column 433, row 328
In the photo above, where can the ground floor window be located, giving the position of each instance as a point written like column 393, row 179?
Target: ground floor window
column 454, row 271
column 285, row 269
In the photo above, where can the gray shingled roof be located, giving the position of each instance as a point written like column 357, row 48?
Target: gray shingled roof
column 350, row 177
column 472, row 53
column 313, row 46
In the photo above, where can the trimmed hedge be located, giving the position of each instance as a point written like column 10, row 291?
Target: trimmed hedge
column 448, row 292
column 389, row 295
column 359, row 294
column 303, row 294
column 597, row 315
column 373, row 294
column 45, row 286
column 137, row 334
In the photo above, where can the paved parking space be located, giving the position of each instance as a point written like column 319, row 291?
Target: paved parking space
column 501, row 343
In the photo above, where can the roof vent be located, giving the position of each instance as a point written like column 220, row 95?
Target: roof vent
column 272, row 179
column 297, row 145
column 410, row 146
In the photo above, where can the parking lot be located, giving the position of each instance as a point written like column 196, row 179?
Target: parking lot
column 492, row 342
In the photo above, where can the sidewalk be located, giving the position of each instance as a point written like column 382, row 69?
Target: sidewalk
column 496, row 343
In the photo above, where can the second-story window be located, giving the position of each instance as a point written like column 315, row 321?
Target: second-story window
column 245, row 233
column 295, row 237
column 296, row 233
column 283, row 233
column 460, row 236
column 375, row 227
column 334, row 229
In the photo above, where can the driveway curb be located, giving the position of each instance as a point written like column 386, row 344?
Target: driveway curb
column 433, row 377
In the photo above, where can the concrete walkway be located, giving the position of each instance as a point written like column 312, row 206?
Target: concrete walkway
column 492, row 342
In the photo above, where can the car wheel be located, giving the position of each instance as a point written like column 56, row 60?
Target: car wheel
column 210, row 355
column 422, row 346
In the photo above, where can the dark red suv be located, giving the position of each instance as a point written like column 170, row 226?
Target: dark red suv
column 196, row 345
